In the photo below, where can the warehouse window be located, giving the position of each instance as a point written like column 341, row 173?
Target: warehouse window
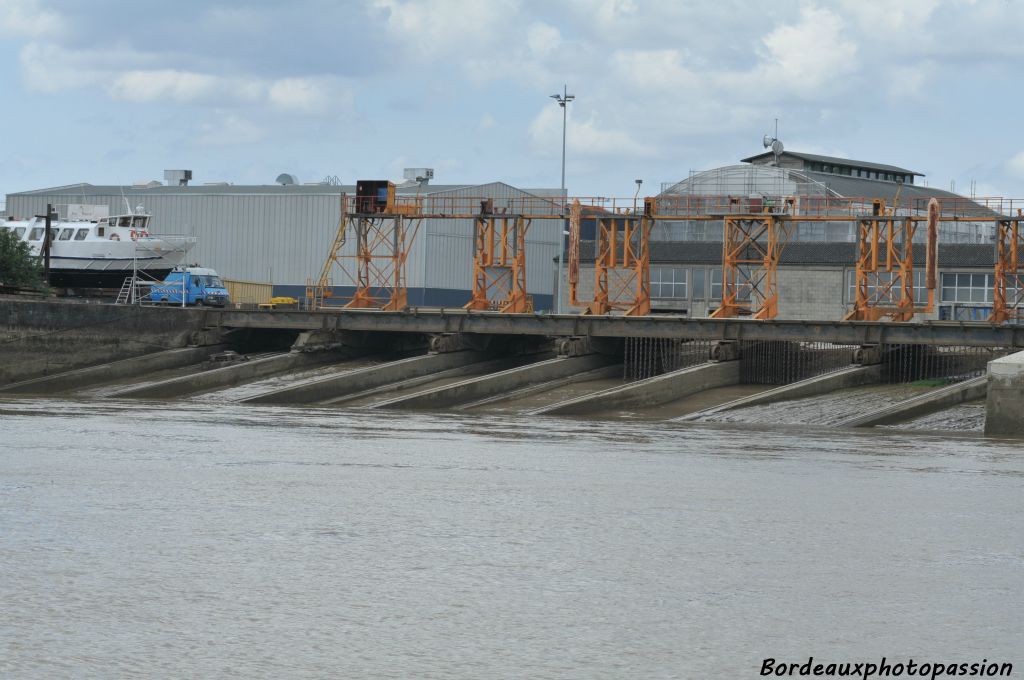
column 699, row 274
column 883, row 279
column 716, row 284
column 963, row 287
column 668, row 282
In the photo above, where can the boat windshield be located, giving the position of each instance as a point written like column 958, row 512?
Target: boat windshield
column 81, row 234
column 35, row 234
column 139, row 223
column 19, row 231
column 66, row 234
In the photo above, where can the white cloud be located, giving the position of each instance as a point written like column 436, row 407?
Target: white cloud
column 163, row 84
column 430, row 28
column 654, row 70
column 311, row 95
column 543, row 39
column 1015, row 165
column 230, row 129
column 811, row 55
column 126, row 75
column 583, row 137
column 21, row 18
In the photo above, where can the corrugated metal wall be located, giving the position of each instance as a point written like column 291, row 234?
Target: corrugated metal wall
column 284, row 237
column 249, row 292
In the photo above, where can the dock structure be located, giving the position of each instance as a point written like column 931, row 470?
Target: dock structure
column 441, row 321
column 534, row 364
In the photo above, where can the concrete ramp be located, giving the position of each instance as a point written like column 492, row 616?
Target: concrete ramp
column 935, row 400
column 501, row 383
column 116, row 370
column 321, row 390
column 228, row 376
column 610, row 371
column 660, row 389
column 853, row 376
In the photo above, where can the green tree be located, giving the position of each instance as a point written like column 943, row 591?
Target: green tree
column 18, row 267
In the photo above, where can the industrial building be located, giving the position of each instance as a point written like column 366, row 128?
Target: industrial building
column 816, row 271
column 281, row 233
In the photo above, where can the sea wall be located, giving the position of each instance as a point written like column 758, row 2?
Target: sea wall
column 43, row 337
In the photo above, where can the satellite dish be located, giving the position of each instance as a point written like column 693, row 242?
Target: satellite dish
column 285, row 179
column 776, row 147
column 767, row 141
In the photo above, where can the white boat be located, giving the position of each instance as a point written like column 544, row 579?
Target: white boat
column 102, row 253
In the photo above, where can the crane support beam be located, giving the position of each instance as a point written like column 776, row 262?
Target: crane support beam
column 751, row 248
column 499, row 264
column 1008, row 296
column 622, row 268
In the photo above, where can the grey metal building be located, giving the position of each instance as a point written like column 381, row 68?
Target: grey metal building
column 816, row 271
column 281, row 233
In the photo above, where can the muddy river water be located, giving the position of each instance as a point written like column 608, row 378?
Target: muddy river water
column 204, row 539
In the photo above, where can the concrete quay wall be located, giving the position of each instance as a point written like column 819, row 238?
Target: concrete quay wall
column 44, row 337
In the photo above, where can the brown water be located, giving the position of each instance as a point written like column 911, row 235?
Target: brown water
column 285, row 380
column 715, row 396
column 969, row 417
column 246, row 542
column 825, row 409
column 562, row 392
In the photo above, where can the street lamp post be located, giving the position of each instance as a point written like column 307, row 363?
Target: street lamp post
column 562, row 100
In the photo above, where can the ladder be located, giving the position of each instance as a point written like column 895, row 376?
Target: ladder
column 124, row 297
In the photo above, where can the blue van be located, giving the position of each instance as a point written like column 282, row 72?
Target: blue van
column 199, row 285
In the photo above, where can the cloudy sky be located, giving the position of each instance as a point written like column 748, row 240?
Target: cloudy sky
column 114, row 92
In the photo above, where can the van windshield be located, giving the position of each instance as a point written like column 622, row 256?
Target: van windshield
column 210, row 281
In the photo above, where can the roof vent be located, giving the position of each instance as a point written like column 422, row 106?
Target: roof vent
column 420, row 176
column 177, row 178
column 146, row 184
column 284, row 179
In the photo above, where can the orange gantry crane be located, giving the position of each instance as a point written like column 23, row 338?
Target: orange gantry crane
column 884, row 272
column 499, row 262
column 1008, row 294
column 382, row 229
column 622, row 260
column 384, row 232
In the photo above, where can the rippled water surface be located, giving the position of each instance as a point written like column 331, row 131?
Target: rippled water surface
column 196, row 540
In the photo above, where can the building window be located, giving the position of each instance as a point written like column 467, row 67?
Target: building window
column 699, row 274
column 716, row 284
column 883, row 279
column 668, row 283
column 961, row 287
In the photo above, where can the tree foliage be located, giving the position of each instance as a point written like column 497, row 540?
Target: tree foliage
column 18, row 267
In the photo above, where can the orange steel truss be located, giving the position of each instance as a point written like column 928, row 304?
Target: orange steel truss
column 752, row 245
column 884, row 273
column 1008, row 296
column 622, row 265
column 622, row 260
column 377, row 266
column 756, row 230
column 499, row 264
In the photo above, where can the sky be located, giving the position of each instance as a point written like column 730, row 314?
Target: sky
column 114, row 92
